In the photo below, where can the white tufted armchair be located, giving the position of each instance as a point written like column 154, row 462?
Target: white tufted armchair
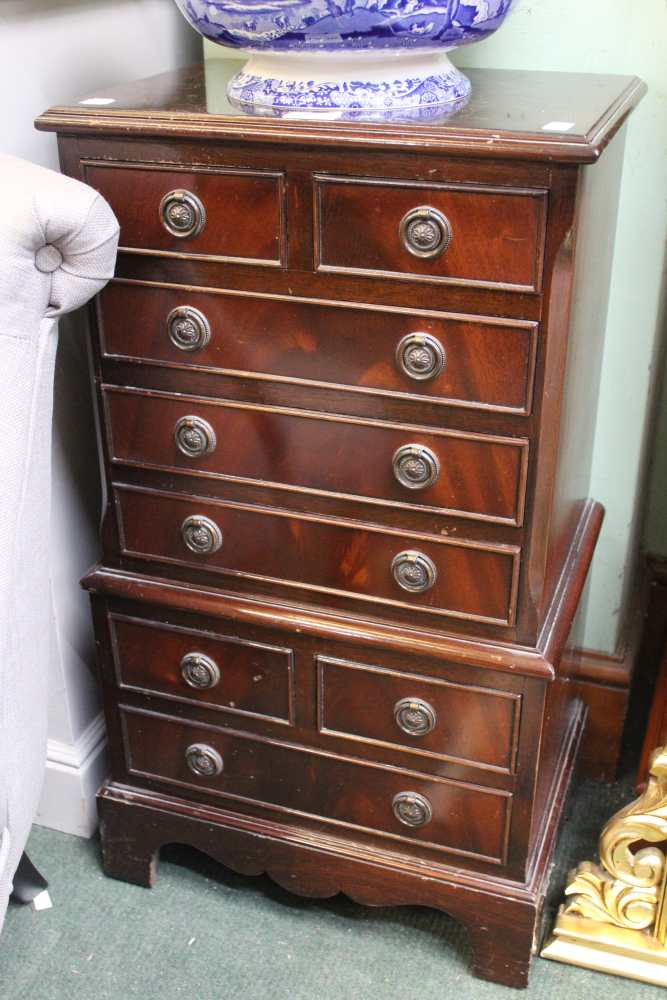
column 58, row 242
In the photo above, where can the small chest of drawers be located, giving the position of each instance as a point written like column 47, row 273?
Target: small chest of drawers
column 346, row 379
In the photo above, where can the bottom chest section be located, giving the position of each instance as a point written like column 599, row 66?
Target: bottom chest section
column 386, row 748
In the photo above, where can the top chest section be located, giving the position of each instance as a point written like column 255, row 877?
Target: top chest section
column 361, row 337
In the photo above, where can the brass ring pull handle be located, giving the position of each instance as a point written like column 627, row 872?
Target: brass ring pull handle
column 182, row 214
column 420, row 356
column 201, row 535
column 194, row 437
column 188, row 329
column 203, row 760
column 415, row 716
column 412, row 809
column 414, row 571
column 425, row 232
column 415, row 466
column 199, row 671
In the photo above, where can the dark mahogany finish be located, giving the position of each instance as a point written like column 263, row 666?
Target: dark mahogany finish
column 243, row 211
column 465, row 820
column 473, row 581
column 255, row 679
column 468, row 724
column 497, row 235
column 479, row 476
column 490, row 361
column 345, row 535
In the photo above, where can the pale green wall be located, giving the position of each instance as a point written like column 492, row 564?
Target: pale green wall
column 595, row 36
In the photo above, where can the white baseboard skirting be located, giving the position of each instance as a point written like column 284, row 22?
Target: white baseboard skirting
column 74, row 772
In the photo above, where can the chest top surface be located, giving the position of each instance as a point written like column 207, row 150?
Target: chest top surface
column 555, row 117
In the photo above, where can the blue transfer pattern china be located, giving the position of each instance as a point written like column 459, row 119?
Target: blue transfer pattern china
column 350, row 96
column 328, row 55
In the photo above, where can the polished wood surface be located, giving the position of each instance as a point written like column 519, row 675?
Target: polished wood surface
column 243, row 210
column 290, row 700
column 354, row 734
column 256, row 679
column 497, row 234
column 465, row 821
column 474, row 581
column 470, row 723
column 490, row 361
column 505, row 117
column 543, row 661
column 480, row 477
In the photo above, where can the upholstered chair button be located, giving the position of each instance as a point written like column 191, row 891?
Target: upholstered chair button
column 48, row 259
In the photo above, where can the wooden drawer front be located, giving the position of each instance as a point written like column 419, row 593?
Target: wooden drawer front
column 473, row 580
column 477, row 476
column 497, row 234
column 243, row 211
column 435, row 718
column 489, row 363
column 246, row 678
column 465, row 819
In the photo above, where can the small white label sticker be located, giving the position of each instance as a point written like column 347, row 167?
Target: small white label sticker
column 42, row 901
column 557, row 126
column 98, row 102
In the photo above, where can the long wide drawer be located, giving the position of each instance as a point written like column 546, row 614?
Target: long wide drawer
column 477, row 476
column 427, row 716
column 442, row 232
column 396, row 804
column 384, row 566
column 235, row 215
column 220, row 672
column 479, row 362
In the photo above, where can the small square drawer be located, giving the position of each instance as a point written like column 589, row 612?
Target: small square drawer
column 317, row 555
column 347, row 795
column 232, row 215
column 219, row 672
column 471, row 235
column 425, row 715
column 476, row 476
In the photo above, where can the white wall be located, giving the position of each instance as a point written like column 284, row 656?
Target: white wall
column 52, row 51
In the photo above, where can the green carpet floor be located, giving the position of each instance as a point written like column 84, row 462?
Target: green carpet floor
column 204, row 933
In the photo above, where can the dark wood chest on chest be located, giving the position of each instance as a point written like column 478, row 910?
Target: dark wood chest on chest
column 346, row 379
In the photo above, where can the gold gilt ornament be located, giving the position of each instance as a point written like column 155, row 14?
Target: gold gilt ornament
column 614, row 916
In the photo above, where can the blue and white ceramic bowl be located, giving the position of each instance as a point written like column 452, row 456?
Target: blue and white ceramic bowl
column 332, row 56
